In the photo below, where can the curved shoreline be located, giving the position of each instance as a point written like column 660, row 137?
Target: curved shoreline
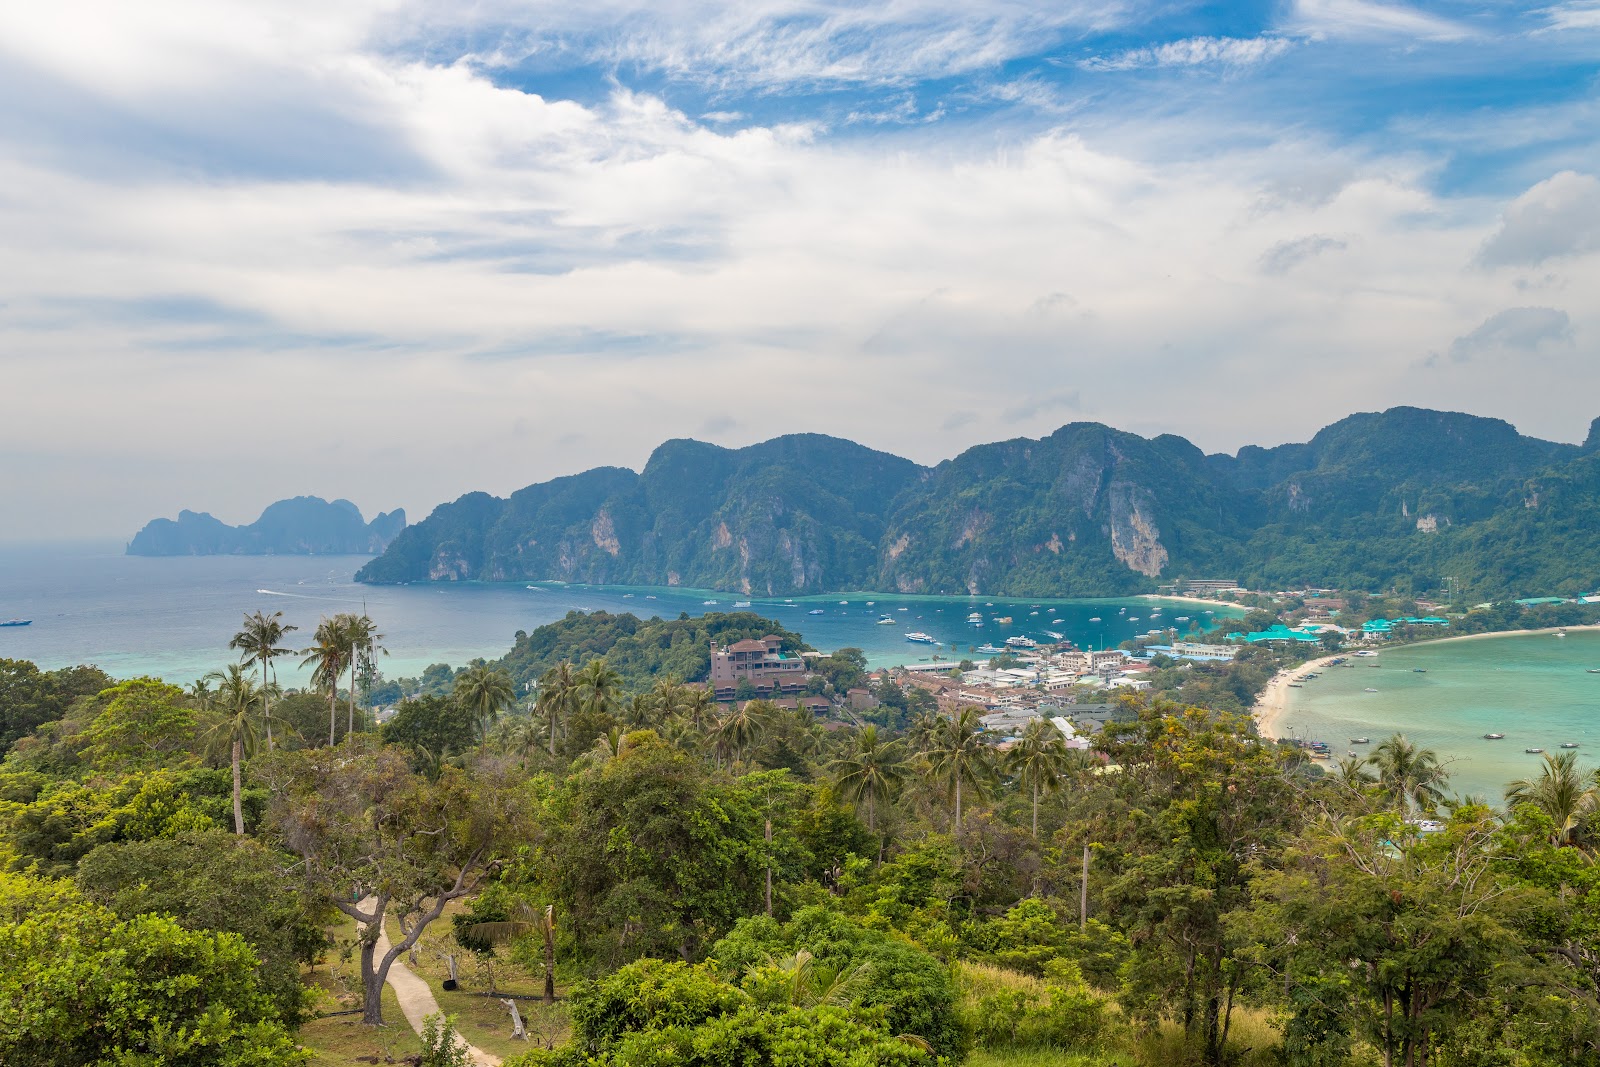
column 1273, row 702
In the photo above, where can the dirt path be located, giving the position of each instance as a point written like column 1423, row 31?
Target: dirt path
column 417, row 1001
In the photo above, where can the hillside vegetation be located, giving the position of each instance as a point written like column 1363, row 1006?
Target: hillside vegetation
column 1396, row 500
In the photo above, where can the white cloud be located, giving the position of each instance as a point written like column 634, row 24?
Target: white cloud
column 1519, row 329
column 1558, row 217
column 1366, row 19
column 1286, row 255
column 1194, row 52
column 1575, row 15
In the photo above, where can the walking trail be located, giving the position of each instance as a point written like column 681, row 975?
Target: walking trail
column 417, row 1001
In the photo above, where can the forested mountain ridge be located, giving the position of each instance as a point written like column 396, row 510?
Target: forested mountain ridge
column 301, row 526
column 1400, row 498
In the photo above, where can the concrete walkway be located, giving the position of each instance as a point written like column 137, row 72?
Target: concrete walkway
column 417, row 1001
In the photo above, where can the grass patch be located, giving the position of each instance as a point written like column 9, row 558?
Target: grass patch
column 344, row 1040
column 1043, row 1057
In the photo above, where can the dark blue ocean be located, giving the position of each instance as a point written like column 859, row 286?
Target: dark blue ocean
column 172, row 618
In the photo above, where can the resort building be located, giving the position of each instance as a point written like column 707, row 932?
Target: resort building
column 763, row 664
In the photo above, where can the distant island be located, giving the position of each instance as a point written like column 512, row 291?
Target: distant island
column 302, row 526
column 1402, row 499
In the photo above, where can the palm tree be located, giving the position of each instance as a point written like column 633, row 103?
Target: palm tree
column 326, row 658
column 870, row 772
column 201, row 693
column 558, row 696
column 259, row 641
column 236, row 698
column 484, row 691
column 742, row 724
column 1408, row 774
column 1561, row 791
column 361, row 649
column 599, row 687
column 1039, row 760
column 1351, row 771
column 959, row 758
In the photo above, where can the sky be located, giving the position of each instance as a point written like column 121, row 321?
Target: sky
column 396, row 251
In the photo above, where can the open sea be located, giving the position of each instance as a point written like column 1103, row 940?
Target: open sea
column 1531, row 687
column 172, row 617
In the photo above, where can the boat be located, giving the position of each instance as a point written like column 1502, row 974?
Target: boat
column 1569, row 744
column 843, row 602
column 1096, row 618
column 1057, row 622
column 1593, row 670
column 741, row 603
column 1022, row 642
column 1003, row 620
column 627, row 596
column 815, row 611
column 17, row 622
column 990, row 650
column 1361, row 740
column 1122, row 611
column 1055, row 635
column 1533, row 751
column 1182, row 618
column 920, row 638
column 870, row 603
column 1371, row 690
column 1494, row 737
column 1419, row 670
column 904, row 609
column 1296, row 685
column 1031, row 614
column 1561, row 633
column 707, row 603
column 885, row 620
column 990, row 604
column 647, row 596
column 1133, row 618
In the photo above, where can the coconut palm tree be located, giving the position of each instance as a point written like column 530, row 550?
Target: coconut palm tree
column 327, row 659
column 558, row 696
column 739, row 727
column 1352, row 772
column 599, row 687
column 484, row 691
column 260, row 640
column 1408, row 774
column 361, row 638
column 1561, row 791
column 236, row 698
column 870, row 772
column 1039, row 760
column 959, row 758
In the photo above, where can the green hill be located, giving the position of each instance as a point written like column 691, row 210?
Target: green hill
column 1401, row 498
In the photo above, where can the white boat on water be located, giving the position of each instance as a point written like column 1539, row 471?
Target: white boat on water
column 707, row 603
column 1055, row 636
column 920, row 638
column 885, row 620
column 1094, row 619
column 741, row 603
column 990, row 650
column 1022, row 642
column 815, row 611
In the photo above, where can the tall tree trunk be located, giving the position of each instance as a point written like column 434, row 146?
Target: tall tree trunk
column 552, row 732
column 333, row 711
column 550, row 954
column 238, row 802
column 350, row 723
column 266, row 698
column 1036, row 811
column 958, row 803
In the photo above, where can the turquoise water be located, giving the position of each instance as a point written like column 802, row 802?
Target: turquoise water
column 1531, row 687
column 172, row 617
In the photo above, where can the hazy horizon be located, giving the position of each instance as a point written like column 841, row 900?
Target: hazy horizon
column 397, row 251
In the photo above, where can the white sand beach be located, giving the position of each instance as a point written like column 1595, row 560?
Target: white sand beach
column 1274, row 699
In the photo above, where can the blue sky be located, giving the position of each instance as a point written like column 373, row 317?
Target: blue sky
column 395, row 251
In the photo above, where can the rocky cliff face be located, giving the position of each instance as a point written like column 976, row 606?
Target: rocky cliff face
column 1088, row 510
column 303, row 526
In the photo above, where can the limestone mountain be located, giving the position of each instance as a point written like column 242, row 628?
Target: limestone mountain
column 1397, row 499
column 304, row 526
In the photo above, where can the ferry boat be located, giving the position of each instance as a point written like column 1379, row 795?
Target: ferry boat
column 17, row 622
column 1494, row 737
column 920, row 638
column 885, row 620
column 990, row 650
column 1022, row 642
